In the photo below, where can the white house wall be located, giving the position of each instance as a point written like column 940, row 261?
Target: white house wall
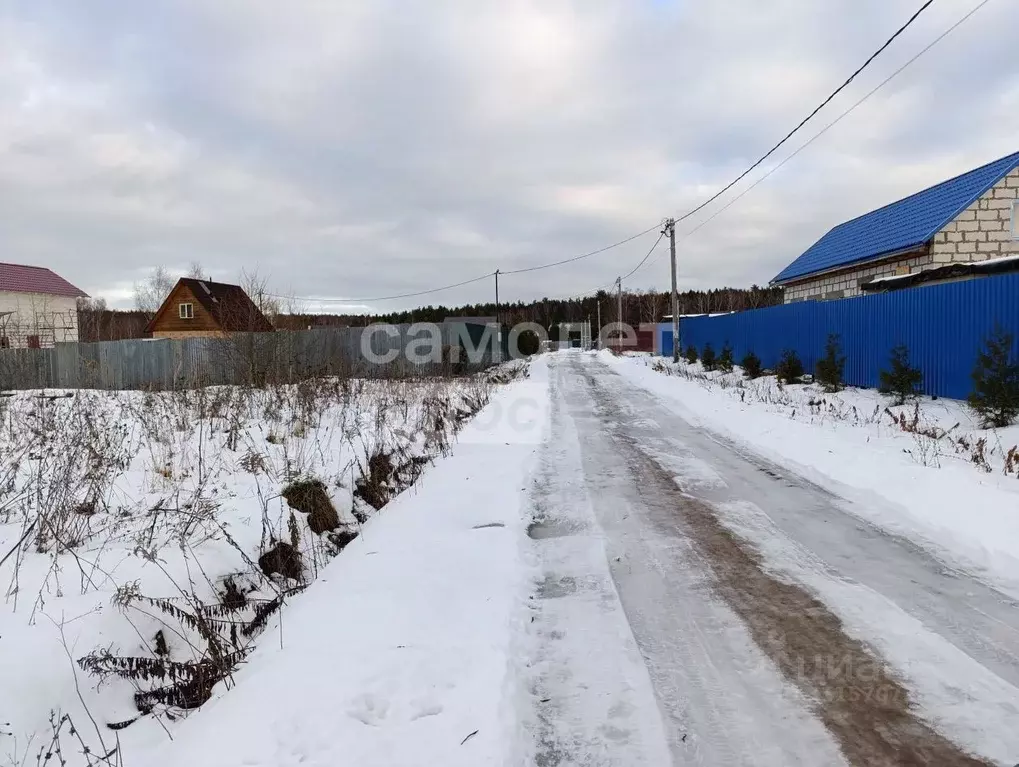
column 983, row 230
column 52, row 318
column 846, row 283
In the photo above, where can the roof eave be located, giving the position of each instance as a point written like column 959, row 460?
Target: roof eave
column 79, row 294
column 920, row 246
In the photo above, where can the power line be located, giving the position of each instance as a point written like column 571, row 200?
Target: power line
column 807, row 119
column 638, row 266
column 613, row 282
column 690, row 213
column 834, row 122
column 388, row 298
column 585, row 255
column 475, row 279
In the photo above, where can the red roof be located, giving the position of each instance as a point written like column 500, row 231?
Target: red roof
column 18, row 278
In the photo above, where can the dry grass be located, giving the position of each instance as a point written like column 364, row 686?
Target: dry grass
column 62, row 466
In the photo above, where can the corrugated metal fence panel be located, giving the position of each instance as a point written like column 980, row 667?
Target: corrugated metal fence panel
column 240, row 358
column 665, row 341
column 943, row 326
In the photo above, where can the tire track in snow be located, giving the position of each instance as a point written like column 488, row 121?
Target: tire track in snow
column 592, row 700
column 866, row 708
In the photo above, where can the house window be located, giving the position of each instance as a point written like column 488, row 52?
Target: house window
column 5, row 342
column 186, row 311
column 33, row 342
column 1015, row 220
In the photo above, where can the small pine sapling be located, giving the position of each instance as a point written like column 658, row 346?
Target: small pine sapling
column 751, row 365
column 902, row 381
column 830, row 369
column 725, row 361
column 995, row 395
column 708, row 358
column 789, row 369
column 691, row 354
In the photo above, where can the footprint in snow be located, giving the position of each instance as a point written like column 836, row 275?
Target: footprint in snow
column 423, row 707
column 369, row 709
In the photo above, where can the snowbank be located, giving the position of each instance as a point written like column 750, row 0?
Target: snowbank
column 928, row 489
column 399, row 654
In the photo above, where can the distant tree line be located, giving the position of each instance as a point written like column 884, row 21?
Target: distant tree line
column 98, row 323
column 638, row 307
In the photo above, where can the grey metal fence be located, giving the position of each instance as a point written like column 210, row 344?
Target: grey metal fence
column 241, row 358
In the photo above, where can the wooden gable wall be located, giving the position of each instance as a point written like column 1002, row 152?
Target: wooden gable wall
column 168, row 318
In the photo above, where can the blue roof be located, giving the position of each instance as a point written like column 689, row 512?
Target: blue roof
column 900, row 226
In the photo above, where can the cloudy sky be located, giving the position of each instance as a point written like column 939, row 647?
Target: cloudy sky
column 360, row 149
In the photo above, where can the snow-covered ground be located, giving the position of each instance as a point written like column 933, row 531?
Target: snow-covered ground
column 135, row 530
column 137, row 534
column 924, row 470
column 401, row 652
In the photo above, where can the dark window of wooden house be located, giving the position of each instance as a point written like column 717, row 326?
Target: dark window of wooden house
column 33, row 342
column 186, row 311
column 5, row 342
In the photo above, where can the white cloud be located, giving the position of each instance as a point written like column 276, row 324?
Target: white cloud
column 352, row 149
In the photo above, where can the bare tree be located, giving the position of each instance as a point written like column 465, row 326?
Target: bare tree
column 257, row 288
column 90, row 314
column 651, row 304
column 290, row 304
column 153, row 290
column 196, row 271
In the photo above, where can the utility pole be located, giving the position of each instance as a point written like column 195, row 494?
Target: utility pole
column 598, row 346
column 670, row 229
column 497, row 295
column 619, row 331
column 498, row 323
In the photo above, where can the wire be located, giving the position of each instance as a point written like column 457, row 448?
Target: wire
column 834, row 122
column 589, row 292
column 685, row 216
column 388, row 298
column 475, row 279
column 638, row 266
column 603, row 287
column 807, row 119
column 585, row 255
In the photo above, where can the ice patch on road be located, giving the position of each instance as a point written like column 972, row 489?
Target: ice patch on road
column 689, row 472
column 963, row 699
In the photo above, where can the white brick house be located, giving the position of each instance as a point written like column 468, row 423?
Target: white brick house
column 971, row 218
column 37, row 307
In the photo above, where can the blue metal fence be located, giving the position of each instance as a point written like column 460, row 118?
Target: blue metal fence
column 943, row 327
column 664, row 341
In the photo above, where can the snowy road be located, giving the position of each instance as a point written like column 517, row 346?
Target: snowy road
column 701, row 606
